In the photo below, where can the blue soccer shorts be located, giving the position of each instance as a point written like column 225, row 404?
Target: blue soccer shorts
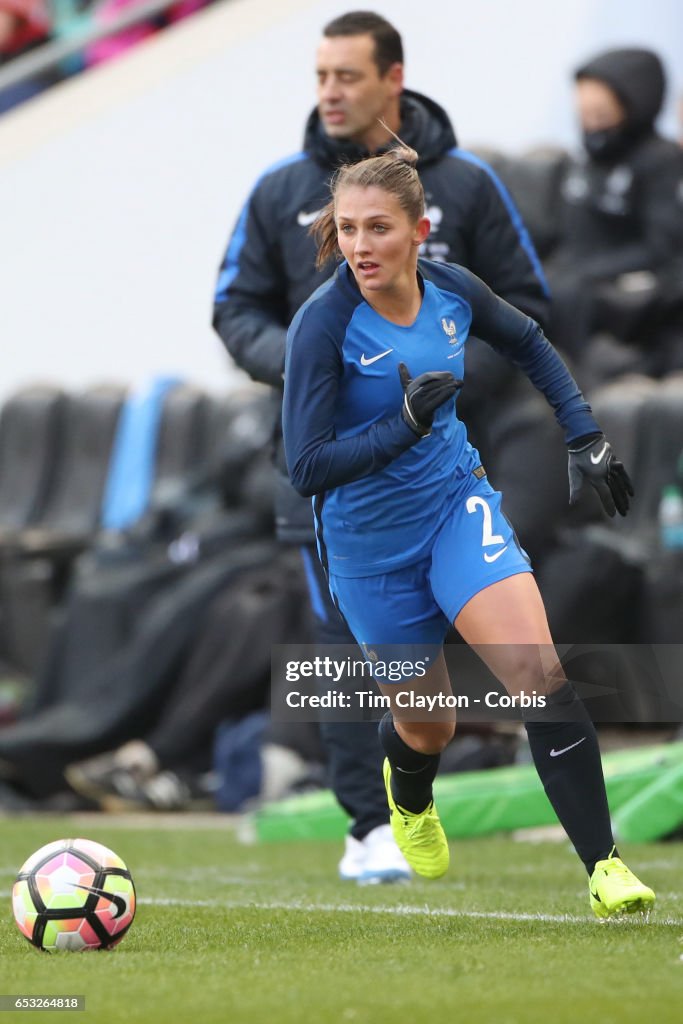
column 474, row 546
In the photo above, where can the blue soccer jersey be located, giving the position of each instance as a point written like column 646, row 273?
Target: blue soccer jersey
column 380, row 491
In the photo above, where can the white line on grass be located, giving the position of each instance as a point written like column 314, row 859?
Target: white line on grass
column 398, row 910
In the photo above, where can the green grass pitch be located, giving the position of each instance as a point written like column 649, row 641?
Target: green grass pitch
column 231, row 933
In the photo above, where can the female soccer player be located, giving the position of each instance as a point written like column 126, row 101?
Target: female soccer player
column 410, row 532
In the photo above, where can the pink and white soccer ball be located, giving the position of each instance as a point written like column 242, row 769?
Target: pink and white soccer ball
column 74, row 894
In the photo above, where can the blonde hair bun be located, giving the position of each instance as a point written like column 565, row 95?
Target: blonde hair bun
column 403, row 154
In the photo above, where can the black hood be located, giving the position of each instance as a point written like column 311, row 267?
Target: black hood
column 636, row 76
column 424, row 125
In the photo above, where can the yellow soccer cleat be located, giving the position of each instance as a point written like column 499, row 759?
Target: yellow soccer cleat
column 614, row 889
column 419, row 837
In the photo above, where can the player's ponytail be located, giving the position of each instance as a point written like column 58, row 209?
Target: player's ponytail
column 324, row 231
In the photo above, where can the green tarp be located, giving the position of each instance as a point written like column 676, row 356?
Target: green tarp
column 644, row 785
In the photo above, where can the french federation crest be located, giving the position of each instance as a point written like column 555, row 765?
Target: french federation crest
column 450, row 329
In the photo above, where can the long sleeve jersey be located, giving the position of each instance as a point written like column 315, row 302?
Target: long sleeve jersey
column 379, row 489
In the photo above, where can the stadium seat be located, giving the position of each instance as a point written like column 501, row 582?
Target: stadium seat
column 595, row 584
column 617, row 406
column 661, row 449
column 494, row 157
column 660, row 446
column 198, row 431
column 183, row 433
column 31, row 426
column 27, row 596
column 643, row 419
column 71, row 514
column 534, row 180
column 31, row 429
column 241, row 441
column 218, row 482
column 621, row 408
column 35, row 569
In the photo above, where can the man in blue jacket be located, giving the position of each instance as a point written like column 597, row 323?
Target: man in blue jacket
column 269, row 271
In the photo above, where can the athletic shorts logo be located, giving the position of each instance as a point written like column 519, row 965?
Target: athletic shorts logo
column 492, row 558
column 364, row 361
column 598, row 458
column 306, row 217
column 118, row 901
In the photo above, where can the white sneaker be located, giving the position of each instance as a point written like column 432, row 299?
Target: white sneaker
column 352, row 863
column 374, row 859
column 384, row 862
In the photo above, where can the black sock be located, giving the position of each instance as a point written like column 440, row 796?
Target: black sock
column 412, row 773
column 564, row 746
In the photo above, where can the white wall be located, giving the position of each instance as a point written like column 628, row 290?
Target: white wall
column 118, row 189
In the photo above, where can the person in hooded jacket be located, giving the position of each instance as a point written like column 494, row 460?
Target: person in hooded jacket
column 269, row 271
column 622, row 213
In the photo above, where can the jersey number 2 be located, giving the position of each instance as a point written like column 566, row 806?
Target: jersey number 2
column 488, row 537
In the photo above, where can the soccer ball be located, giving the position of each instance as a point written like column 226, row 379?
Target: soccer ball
column 74, row 894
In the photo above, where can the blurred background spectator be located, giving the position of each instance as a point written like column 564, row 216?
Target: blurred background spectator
column 617, row 268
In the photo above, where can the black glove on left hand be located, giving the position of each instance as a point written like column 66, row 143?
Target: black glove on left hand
column 594, row 461
column 424, row 395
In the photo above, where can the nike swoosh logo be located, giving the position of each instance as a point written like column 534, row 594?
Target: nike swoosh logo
column 556, row 753
column 118, row 901
column 306, row 218
column 492, row 558
column 364, row 361
column 598, row 458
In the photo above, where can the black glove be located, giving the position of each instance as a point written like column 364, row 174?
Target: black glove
column 423, row 396
column 591, row 458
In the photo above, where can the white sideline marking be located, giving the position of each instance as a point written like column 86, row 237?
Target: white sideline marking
column 399, row 910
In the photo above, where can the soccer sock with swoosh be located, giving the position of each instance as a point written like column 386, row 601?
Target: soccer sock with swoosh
column 412, row 773
column 564, row 746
